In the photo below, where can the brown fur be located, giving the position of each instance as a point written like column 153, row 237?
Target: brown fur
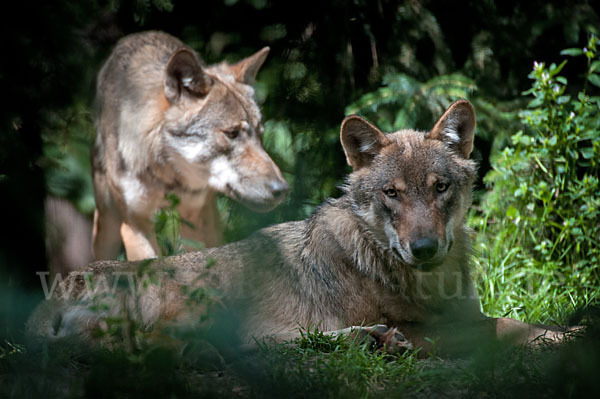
column 167, row 123
column 392, row 251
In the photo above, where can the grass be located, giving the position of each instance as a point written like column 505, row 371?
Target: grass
column 315, row 365
column 531, row 291
column 325, row 366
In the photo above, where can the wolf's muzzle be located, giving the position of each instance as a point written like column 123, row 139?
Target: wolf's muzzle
column 424, row 249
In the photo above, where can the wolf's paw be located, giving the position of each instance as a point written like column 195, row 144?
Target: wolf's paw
column 384, row 338
column 555, row 335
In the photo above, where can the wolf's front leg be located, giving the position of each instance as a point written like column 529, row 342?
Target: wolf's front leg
column 140, row 243
column 381, row 336
column 105, row 234
column 459, row 338
column 516, row 332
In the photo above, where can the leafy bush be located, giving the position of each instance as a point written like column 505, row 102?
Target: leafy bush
column 404, row 102
column 68, row 137
column 540, row 220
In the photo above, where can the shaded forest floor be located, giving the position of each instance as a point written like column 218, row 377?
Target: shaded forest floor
column 313, row 366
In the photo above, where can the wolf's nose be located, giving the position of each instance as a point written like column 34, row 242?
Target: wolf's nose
column 279, row 189
column 424, row 248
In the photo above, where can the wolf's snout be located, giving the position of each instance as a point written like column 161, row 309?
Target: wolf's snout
column 424, row 249
column 267, row 195
column 279, row 189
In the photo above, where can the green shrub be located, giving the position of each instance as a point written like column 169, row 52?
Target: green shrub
column 403, row 102
column 541, row 217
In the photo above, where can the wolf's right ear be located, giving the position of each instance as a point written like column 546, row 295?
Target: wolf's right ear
column 456, row 127
column 184, row 74
column 361, row 141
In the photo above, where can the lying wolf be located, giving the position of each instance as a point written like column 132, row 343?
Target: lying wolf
column 392, row 251
column 166, row 123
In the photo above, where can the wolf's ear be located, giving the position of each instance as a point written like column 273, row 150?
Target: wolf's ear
column 184, row 74
column 245, row 70
column 456, row 127
column 361, row 141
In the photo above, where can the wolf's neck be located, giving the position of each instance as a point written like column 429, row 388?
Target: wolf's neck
column 349, row 243
column 336, row 223
column 169, row 177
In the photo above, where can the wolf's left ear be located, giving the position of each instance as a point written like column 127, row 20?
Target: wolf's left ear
column 361, row 141
column 456, row 127
column 245, row 70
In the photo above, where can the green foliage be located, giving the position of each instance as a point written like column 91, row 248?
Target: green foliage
column 540, row 223
column 404, row 102
column 68, row 137
column 167, row 226
column 142, row 8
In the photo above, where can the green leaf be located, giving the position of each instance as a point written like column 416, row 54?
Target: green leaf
column 594, row 79
column 572, row 52
column 595, row 66
column 554, row 70
column 536, row 102
column 525, row 140
column 527, row 92
column 587, row 152
column 561, row 79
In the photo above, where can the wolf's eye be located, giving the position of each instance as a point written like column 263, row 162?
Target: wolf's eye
column 390, row 192
column 232, row 134
column 441, row 187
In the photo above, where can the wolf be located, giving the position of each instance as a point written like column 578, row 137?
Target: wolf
column 169, row 124
column 388, row 259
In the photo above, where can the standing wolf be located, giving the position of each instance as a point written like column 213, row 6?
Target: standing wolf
column 169, row 124
column 393, row 250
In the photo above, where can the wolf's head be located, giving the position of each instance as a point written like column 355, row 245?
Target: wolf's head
column 412, row 188
column 214, row 130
